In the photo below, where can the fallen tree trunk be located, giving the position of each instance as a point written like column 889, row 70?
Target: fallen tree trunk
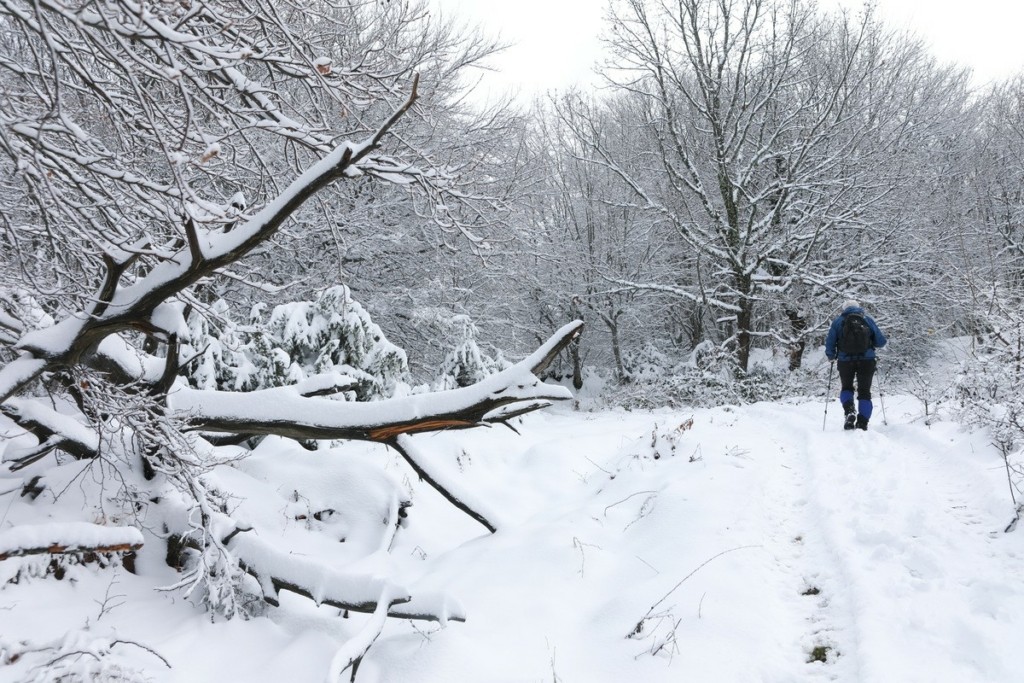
column 67, row 538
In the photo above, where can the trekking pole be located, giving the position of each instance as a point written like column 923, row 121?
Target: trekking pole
column 881, row 399
column 828, row 394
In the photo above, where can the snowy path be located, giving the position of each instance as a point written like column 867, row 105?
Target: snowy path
column 880, row 553
column 911, row 517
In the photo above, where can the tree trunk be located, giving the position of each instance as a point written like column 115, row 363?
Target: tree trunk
column 796, row 350
column 577, row 364
column 620, row 369
column 744, row 321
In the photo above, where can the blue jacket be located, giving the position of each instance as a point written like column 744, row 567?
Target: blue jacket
column 832, row 340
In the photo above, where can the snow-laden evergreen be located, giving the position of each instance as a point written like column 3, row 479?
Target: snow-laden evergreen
column 290, row 344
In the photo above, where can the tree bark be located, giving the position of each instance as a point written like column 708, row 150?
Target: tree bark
column 56, row 549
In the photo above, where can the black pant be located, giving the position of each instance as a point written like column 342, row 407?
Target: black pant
column 862, row 371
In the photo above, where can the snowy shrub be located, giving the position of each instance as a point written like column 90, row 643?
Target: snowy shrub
column 213, row 359
column 467, row 364
column 768, row 383
column 296, row 341
column 645, row 365
column 708, row 377
column 666, row 439
column 335, row 333
column 988, row 386
column 80, row 656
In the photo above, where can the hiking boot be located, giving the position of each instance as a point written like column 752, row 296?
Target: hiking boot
column 851, row 420
column 862, row 422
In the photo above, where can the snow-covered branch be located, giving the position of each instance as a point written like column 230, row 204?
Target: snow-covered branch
column 418, row 460
column 66, row 538
column 52, row 430
column 132, row 306
column 286, row 412
column 354, row 649
column 277, row 570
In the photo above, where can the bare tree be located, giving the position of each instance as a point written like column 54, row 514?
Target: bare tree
column 986, row 264
column 582, row 232
column 773, row 129
column 997, row 182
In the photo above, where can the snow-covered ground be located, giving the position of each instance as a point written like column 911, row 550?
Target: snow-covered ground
column 729, row 544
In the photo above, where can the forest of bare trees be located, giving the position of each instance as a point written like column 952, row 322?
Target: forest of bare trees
column 210, row 207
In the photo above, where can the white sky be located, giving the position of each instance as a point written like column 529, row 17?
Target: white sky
column 556, row 41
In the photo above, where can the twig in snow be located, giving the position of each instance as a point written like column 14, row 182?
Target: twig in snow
column 645, row 509
column 109, row 603
column 554, row 673
column 1013, row 522
column 638, row 629
column 1004, row 450
column 578, row 544
column 647, row 563
column 611, row 475
column 632, row 495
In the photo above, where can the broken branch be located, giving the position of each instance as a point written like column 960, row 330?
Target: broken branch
column 67, row 538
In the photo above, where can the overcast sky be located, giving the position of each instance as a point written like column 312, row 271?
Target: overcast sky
column 556, row 41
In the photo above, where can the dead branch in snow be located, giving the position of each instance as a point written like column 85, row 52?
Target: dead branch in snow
column 66, row 539
column 285, row 412
column 71, row 550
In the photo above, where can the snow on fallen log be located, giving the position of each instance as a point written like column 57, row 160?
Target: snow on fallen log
column 277, row 570
column 350, row 654
column 326, row 384
column 429, row 606
column 57, row 538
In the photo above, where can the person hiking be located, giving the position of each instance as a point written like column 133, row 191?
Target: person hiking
column 851, row 342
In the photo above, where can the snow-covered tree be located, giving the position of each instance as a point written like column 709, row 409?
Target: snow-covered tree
column 146, row 149
column 582, row 233
column 984, row 302
column 776, row 135
column 466, row 364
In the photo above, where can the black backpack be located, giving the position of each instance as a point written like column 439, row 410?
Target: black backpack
column 855, row 337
